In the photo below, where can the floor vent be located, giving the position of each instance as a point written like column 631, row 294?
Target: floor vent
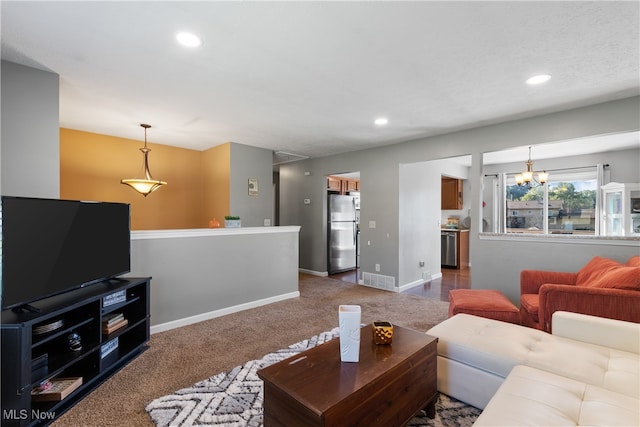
column 379, row 281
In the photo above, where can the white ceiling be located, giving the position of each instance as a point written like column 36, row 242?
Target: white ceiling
column 309, row 78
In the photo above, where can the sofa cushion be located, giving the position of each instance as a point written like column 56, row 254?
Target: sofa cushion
column 597, row 330
column 533, row 397
column 621, row 277
column 634, row 261
column 531, row 303
column 489, row 303
column 496, row 347
column 594, row 269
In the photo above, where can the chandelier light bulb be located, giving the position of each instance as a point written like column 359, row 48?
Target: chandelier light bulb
column 543, row 177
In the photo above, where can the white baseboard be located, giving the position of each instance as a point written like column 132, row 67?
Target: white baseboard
column 411, row 285
column 313, row 272
column 419, row 282
column 222, row 312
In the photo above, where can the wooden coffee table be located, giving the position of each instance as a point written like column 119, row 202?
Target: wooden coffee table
column 387, row 387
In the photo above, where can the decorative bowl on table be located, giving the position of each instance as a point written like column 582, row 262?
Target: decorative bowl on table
column 382, row 332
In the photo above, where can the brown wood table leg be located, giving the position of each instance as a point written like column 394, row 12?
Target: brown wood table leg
column 430, row 409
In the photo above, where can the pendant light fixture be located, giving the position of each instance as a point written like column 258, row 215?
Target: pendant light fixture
column 527, row 177
column 146, row 185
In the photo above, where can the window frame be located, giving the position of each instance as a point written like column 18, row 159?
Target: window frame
column 570, row 175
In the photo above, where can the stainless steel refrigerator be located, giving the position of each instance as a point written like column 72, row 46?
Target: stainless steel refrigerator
column 342, row 233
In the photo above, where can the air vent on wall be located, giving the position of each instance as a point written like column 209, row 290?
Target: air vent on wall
column 280, row 157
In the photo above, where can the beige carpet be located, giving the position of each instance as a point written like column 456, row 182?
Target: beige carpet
column 180, row 357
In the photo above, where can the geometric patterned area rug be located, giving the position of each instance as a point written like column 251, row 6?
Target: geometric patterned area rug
column 234, row 398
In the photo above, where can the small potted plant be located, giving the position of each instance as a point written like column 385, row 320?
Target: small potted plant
column 231, row 221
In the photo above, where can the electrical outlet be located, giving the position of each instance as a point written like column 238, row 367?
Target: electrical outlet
column 421, row 263
column 267, row 222
column 378, row 267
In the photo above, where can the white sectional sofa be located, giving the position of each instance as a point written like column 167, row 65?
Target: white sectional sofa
column 586, row 373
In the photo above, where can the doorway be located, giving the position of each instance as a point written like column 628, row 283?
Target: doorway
column 422, row 218
column 343, row 223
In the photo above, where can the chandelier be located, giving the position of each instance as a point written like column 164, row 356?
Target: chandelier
column 527, row 178
column 146, row 185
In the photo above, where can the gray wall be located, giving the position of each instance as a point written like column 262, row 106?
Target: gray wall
column 251, row 162
column 30, row 132
column 195, row 277
column 496, row 264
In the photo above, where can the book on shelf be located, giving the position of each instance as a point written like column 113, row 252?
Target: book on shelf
column 114, row 298
column 112, row 319
column 108, row 347
column 56, row 389
column 114, row 327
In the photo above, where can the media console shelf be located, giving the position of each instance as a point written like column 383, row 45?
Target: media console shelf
column 44, row 345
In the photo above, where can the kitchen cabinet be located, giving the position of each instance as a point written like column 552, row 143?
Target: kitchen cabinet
column 352, row 184
column 451, row 194
column 463, row 249
column 334, row 183
column 342, row 185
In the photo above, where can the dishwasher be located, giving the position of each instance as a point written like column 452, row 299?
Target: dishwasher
column 448, row 249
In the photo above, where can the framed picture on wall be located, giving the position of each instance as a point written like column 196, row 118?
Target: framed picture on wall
column 253, row 186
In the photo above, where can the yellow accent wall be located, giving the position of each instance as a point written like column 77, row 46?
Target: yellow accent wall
column 92, row 165
column 216, row 173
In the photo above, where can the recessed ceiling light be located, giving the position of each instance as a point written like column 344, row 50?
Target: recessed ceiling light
column 188, row 39
column 381, row 121
column 540, row 78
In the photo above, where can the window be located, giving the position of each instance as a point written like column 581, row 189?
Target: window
column 567, row 204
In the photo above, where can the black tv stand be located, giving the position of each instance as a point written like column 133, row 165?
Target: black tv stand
column 35, row 346
column 26, row 307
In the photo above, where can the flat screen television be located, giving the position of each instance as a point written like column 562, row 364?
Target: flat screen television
column 53, row 246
